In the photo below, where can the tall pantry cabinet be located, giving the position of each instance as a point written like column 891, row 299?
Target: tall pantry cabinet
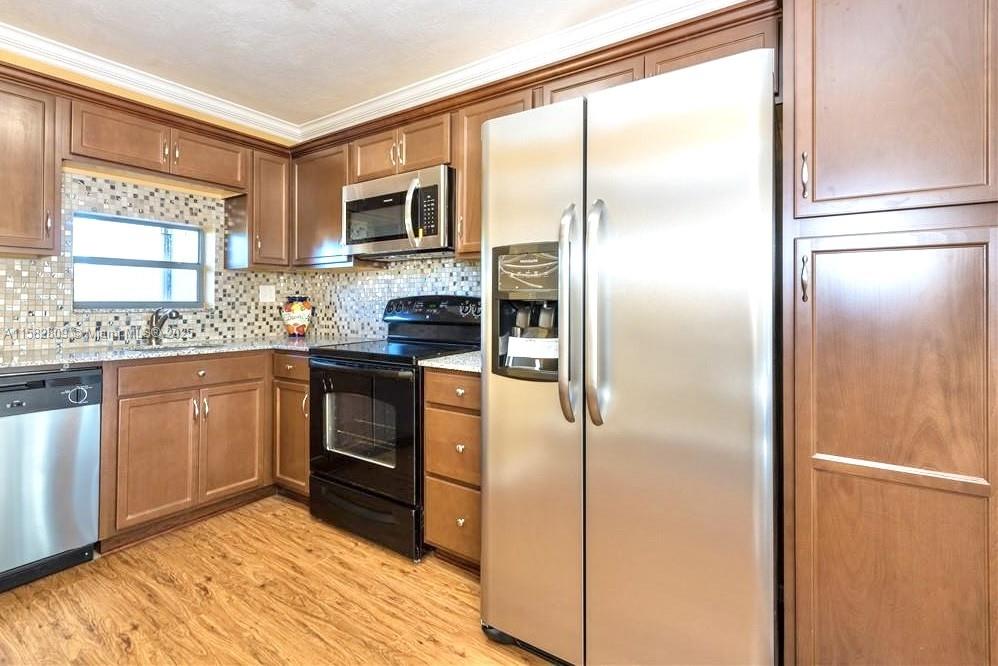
column 889, row 251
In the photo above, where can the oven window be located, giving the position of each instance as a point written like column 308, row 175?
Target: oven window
column 376, row 219
column 360, row 427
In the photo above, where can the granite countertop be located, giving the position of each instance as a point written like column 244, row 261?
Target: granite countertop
column 55, row 358
column 466, row 362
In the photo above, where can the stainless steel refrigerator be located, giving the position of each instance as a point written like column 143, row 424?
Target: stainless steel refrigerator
column 628, row 286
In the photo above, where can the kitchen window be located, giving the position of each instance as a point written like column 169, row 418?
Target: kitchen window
column 125, row 263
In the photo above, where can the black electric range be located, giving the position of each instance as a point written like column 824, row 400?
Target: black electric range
column 366, row 436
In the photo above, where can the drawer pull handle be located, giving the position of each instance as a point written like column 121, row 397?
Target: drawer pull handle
column 289, row 367
column 202, row 373
column 460, row 522
column 459, row 392
column 459, row 448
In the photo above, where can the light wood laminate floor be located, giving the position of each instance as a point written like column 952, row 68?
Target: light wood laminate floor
column 265, row 583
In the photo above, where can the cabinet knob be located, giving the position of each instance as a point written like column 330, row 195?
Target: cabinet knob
column 460, row 522
column 459, row 448
column 202, row 373
column 459, row 392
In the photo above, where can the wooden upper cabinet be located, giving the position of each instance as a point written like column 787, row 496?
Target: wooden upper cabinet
column 317, row 195
column 467, row 137
column 896, row 104
column 269, row 219
column 196, row 156
column 424, row 143
column 764, row 33
column 157, row 450
column 115, row 136
column 291, row 423
column 29, row 170
column 895, row 448
column 124, row 138
column 420, row 144
column 373, row 156
column 590, row 80
column 231, row 451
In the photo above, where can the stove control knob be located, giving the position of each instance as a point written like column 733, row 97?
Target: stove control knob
column 465, row 309
column 478, row 309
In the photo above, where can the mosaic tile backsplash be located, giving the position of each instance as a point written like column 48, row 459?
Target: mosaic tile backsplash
column 36, row 294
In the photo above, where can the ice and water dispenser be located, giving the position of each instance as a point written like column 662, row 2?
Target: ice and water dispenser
column 525, row 311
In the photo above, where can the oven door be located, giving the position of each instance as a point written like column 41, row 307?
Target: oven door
column 405, row 213
column 363, row 427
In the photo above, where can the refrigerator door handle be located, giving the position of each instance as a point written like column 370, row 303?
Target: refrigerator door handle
column 407, row 215
column 594, row 398
column 564, row 314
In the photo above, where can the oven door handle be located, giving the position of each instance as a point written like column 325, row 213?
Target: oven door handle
column 409, row 229
column 358, row 370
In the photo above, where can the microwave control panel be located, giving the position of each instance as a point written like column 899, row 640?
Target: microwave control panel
column 428, row 209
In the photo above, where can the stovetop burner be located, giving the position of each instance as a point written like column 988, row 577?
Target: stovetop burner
column 419, row 328
column 391, row 351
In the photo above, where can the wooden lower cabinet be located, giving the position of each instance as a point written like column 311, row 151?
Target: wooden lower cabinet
column 454, row 518
column 179, row 448
column 896, row 417
column 232, row 440
column 158, row 439
column 291, row 424
column 452, row 457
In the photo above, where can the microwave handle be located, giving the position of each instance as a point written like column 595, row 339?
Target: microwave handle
column 409, row 230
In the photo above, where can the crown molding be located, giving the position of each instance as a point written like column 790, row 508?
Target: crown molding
column 49, row 52
column 626, row 23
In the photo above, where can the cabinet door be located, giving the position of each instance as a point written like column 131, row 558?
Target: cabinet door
column 231, row 453
column 373, row 156
column 454, row 518
column 105, row 134
column 895, row 449
column 598, row 78
column 896, row 104
column 467, row 133
column 424, row 143
column 28, row 169
column 291, row 455
column 196, row 156
column 764, row 33
column 318, row 206
column 157, row 453
column 269, row 215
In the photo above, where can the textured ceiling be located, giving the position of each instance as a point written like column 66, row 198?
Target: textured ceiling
column 297, row 59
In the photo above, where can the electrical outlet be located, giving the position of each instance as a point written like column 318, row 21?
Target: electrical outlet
column 268, row 293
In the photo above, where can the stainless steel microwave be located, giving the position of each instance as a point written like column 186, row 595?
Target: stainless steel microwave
column 395, row 216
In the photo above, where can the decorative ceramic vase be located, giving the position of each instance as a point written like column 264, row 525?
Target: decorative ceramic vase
column 297, row 313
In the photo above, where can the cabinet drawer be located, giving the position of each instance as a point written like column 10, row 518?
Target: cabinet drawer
column 186, row 374
column 291, row 366
column 456, row 390
column 454, row 445
column 453, row 518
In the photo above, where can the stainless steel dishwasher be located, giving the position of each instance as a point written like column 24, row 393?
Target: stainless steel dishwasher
column 49, row 472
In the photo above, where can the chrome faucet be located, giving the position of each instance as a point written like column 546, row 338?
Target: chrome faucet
column 154, row 328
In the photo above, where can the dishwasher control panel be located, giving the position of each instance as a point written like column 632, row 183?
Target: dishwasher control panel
column 30, row 393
